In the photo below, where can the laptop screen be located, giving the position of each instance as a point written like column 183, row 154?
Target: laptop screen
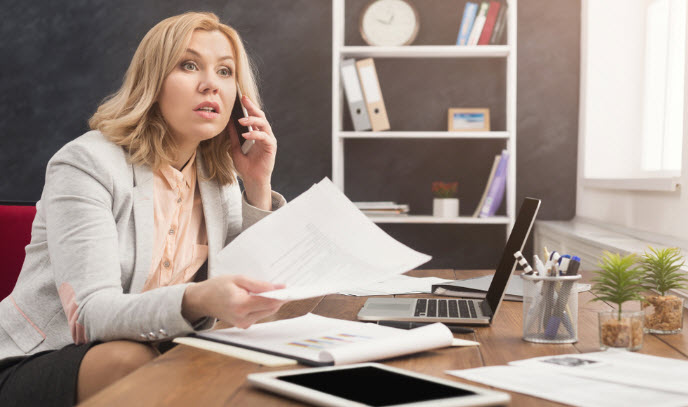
column 516, row 241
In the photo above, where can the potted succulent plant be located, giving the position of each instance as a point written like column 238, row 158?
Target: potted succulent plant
column 619, row 281
column 661, row 273
column 445, row 204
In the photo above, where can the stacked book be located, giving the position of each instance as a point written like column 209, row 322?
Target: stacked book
column 482, row 23
column 383, row 208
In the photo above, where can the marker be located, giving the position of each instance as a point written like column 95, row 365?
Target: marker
column 563, row 264
column 562, row 302
column 554, row 257
column 573, row 266
column 552, row 263
column 549, row 259
column 539, row 266
column 523, row 262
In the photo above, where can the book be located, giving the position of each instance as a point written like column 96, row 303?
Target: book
column 490, row 20
column 477, row 288
column 495, row 163
column 236, row 352
column 383, row 208
column 383, row 212
column 354, row 95
column 379, row 205
column 500, row 24
column 467, row 20
column 478, row 24
column 320, row 341
column 497, row 186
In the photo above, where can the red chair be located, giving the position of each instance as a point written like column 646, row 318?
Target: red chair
column 15, row 233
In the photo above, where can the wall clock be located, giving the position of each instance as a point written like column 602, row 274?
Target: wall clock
column 389, row 23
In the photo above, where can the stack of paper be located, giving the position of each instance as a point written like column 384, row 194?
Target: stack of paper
column 318, row 244
column 383, row 208
column 612, row 378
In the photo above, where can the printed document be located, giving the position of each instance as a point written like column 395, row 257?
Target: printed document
column 317, row 244
column 317, row 340
column 569, row 390
column 610, row 378
column 622, row 367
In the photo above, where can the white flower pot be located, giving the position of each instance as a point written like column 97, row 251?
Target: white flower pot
column 445, row 207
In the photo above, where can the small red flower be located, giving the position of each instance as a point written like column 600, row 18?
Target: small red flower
column 444, row 189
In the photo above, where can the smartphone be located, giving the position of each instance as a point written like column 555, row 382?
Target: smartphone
column 239, row 111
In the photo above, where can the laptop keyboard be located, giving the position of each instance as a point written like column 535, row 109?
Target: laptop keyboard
column 442, row 308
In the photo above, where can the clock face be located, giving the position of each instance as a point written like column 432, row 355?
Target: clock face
column 389, row 23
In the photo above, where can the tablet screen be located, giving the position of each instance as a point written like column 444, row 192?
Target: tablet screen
column 373, row 386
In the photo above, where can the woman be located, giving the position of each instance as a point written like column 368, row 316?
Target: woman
column 132, row 216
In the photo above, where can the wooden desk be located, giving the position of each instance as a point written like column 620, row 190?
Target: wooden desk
column 187, row 376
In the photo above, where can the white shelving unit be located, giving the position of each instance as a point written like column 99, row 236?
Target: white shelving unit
column 339, row 137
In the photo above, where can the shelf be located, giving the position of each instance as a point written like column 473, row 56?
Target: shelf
column 425, row 134
column 504, row 59
column 495, row 220
column 427, row 51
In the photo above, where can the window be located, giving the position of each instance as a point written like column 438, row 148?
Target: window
column 632, row 95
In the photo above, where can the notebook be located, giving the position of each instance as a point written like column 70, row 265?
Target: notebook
column 477, row 287
column 459, row 310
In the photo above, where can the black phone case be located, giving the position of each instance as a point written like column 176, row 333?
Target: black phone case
column 238, row 113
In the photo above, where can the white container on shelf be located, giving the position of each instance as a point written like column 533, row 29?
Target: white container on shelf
column 445, row 207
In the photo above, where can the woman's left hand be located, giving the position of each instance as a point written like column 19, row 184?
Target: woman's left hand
column 255, row 168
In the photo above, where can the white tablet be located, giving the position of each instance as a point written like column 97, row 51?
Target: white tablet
column 373, row 384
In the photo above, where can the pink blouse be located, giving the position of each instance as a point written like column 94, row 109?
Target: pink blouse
column 180, row 241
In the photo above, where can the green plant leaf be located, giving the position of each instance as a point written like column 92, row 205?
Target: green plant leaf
column 662, row 269
column 618, row 281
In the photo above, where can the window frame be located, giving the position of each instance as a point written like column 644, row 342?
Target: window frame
column 652, row 181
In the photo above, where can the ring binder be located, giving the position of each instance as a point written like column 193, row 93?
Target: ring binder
column 373, row 96
column 354, row 96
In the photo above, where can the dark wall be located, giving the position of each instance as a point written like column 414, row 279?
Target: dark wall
column 62, row 60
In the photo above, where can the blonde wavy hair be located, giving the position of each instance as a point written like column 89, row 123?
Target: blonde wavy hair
column 131, row 116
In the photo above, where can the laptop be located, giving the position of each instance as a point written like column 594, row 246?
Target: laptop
column 460, row 310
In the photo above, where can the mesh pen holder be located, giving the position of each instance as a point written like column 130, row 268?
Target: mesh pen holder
column 550, row 309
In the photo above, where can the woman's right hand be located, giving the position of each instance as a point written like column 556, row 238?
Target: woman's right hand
column 229, row 299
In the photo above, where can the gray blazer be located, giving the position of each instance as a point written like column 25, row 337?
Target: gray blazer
column 90, row 253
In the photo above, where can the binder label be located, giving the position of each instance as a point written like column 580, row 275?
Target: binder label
column 372, row 92
column 353, row 92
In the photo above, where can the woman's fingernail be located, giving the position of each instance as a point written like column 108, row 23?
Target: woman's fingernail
column 245, row 134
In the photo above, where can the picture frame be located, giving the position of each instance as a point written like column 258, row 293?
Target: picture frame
column 469, row 119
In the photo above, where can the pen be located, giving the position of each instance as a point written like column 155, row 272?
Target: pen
column 410, row 325
column 562, row 302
